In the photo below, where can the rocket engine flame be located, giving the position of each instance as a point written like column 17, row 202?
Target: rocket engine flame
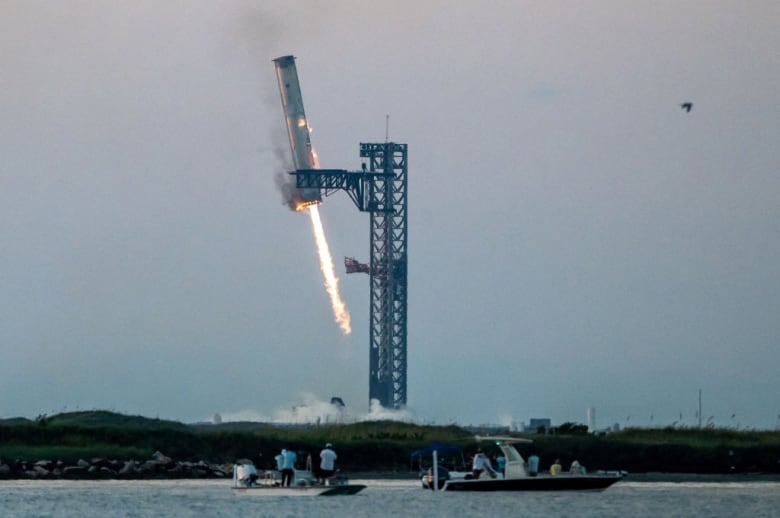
column 340, row 313
column 304, row 157
column 299, row 206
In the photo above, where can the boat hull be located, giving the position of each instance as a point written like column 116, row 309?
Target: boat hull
column 540, row 483
column 340, row 490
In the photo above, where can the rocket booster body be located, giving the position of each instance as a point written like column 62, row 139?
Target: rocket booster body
column 304, row 156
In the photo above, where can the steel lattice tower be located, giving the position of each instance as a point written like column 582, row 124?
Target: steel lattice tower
column 380, row 189
column 388, row 208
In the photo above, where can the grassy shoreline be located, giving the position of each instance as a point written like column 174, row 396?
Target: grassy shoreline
column 379, row 447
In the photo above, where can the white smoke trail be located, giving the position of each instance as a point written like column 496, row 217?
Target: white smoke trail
column 340, row 313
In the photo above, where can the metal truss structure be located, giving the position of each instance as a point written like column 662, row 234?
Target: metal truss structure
column 381, row 190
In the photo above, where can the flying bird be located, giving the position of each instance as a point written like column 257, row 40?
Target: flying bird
column 687, row 107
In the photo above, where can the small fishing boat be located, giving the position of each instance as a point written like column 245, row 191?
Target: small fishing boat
column 515, row 476
column 305, row 484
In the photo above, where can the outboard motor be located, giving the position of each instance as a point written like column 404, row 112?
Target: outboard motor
column 444, row 476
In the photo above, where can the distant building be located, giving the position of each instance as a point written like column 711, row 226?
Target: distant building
column 539, row 425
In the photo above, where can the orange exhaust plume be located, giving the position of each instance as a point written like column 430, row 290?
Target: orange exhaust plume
column 303, row 204
column 340, row 313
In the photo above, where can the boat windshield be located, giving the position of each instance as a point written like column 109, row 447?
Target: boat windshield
column 511, row 454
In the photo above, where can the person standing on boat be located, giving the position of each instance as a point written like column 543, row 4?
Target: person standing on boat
column 327, row 463
column 533, row 465
column 555, row 469
column 288, row 467
column 280, row 461
column 478, row 463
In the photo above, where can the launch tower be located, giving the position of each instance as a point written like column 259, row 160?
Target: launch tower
column 387, row 355
column 379, row 189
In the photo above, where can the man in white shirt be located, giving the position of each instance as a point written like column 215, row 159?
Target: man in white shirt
column 478, row 464
column 327, row 463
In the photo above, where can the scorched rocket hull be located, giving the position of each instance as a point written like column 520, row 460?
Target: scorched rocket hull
column 303, row 153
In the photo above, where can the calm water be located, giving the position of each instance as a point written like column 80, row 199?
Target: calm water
column 382, row 498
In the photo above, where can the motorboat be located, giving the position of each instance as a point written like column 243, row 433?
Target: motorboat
column 450, row 455
column 304, row 483
column 515, row 476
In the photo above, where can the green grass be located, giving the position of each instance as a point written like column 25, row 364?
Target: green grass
column 377, row 445
column 700, row 438
column 105, row 419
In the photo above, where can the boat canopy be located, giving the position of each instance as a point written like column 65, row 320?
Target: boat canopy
column 438, row 448
column 451, row 456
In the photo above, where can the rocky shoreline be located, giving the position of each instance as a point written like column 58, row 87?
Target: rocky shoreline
column 159, row 466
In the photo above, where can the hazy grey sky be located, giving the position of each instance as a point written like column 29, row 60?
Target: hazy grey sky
column 575, row 238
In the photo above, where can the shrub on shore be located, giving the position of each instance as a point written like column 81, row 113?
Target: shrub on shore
column 368, row 446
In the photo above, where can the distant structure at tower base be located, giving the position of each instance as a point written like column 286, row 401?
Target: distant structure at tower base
column 591, row 420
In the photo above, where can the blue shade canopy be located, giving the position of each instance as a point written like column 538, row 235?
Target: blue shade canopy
column 440, row 448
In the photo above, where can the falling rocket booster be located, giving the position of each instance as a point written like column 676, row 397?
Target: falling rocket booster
column 304, row 156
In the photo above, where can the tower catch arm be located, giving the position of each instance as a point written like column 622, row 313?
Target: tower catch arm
column 357, row 184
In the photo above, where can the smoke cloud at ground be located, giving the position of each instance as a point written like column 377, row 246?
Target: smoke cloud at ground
column 315, row 411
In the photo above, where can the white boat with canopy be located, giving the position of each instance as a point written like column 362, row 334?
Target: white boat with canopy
column 516, row 477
